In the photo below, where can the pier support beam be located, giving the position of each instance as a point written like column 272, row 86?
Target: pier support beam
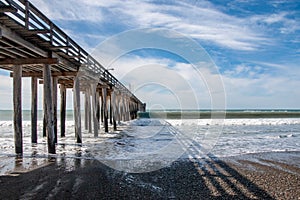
column 63, row 100
column 89, row 111
column 105, row 112
column 17, row 99
column 34, row 89
column 94, row 105
column 44, row 122
column 86, row 119
column 114, row 109
column 54, row 101
column 48, row 109
column 118, row 107
column 127, row 113
column 77, row 114
column 98, row 107
column 110, row 110
column 102, row 109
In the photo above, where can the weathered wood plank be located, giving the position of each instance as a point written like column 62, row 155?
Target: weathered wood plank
column 40, row 74
column 11, row 9
column 7, row 33
column 54, row 48
column 29, row 61
column 38, row 31
column 65, row 82
column 34, row 94
column 63, row 100
column 77, row 115
column 17, row 99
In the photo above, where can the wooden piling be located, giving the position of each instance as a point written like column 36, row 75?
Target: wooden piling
column 105, row 112
column 48, row 109
column 63, row 101
column 118, row 107
column 114, row 110
column 94, row 106
column 110, row 110
column 89, row 111
column 86, row 110
column 77, row 115
column 17, row 99
column 126, row 109
column 122, row 115
column 54, row 101
column 44, row 118
column 98, row 108
column 102, row 109
column 34, row 89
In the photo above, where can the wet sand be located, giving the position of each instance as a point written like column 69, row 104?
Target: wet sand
column 252, row 176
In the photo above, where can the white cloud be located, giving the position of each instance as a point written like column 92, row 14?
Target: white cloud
column 200, row 21
column 69, row 10
column 287, row 24
column 185, row 86
column 263, row 91
column 245, row 87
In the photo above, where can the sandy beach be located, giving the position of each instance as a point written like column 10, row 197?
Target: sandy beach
column 252, row 176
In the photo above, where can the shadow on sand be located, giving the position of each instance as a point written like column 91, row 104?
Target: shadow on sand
column 77, row 178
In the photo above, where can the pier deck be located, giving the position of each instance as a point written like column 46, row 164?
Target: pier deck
column 31, row 45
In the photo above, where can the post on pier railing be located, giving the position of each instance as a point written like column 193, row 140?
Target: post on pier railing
column 26, row 14
column 17, row 99
column 34, row 90
column 51, row 33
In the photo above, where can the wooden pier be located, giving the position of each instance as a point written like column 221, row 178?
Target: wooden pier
column 32, row 46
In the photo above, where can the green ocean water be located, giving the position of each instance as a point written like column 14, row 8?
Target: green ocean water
column 229, row 114
column 7, row 115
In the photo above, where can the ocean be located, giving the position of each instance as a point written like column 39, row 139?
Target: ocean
column 241, row 132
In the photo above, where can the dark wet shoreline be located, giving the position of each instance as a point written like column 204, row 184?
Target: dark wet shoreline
column 251, row 176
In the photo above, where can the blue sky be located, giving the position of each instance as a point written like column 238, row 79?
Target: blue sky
column 254, row 44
